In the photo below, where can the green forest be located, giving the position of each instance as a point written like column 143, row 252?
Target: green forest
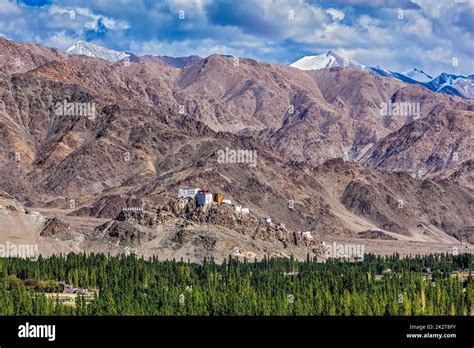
column 130, row 285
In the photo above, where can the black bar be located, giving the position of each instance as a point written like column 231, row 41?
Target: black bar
column 194, row 331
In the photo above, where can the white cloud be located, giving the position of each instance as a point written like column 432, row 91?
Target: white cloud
column 88, row 19
column 337, row 15
column 201, row 48
column 60, row 40
column 429, row 36
column 9, row 7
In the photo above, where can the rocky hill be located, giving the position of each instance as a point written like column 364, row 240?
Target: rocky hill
column 214, row 231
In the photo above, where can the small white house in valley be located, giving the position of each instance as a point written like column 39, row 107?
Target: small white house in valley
column 188, row 192
column 265, row 220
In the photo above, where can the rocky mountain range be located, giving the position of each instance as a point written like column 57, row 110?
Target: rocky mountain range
column 340, row 152
column 462, row 86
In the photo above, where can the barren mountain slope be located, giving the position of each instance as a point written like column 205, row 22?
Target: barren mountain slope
column 156, row 129
column 438, row 146
column 18, row 57
column 337, row 111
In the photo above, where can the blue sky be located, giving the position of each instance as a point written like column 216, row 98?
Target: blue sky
column 434, row 35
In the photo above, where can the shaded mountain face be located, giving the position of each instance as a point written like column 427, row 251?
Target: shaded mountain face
column 453, row 84
column 96, row 137
column 411, row 76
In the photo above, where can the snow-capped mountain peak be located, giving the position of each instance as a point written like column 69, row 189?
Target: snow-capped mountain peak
column 445, row 83
column 453, row 84
column 326, row 61
column 418, row 75
column 95, row 51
